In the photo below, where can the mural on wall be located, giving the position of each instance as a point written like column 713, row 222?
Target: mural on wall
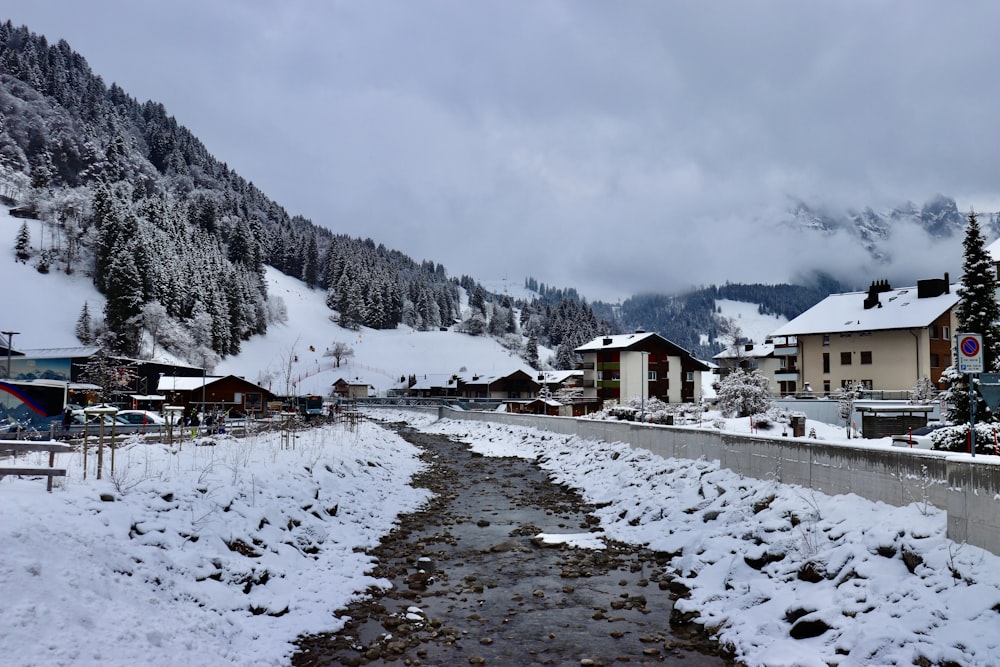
column 40, row 369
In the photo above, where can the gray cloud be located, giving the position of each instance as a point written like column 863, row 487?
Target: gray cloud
column 615, row 148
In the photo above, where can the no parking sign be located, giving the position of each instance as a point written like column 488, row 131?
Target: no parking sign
column 969, row 347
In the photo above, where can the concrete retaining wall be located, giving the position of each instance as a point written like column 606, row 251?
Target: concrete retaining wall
column 968, row 490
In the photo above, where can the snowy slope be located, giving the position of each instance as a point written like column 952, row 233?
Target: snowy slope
column 754, row 326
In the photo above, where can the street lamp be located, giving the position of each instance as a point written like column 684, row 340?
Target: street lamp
column 10, row 336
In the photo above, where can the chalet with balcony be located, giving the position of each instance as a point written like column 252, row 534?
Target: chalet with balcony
column 640, row 365
column 883, row 339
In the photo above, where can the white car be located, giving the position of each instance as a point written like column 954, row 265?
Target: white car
column 918, row 438
column 141, row 417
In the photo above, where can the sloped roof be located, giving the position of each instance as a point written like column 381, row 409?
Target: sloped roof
column 616, row 342
column 758, row 351
column 558, row 377
column 173, row 383
column 61, row 352
column 433, row 381
column 490, row 378
column 900, row 309
column 631, row 340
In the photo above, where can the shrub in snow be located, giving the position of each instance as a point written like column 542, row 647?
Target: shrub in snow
column 956, row 438
column 742, row 394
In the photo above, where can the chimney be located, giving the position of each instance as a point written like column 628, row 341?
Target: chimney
column 876, row 288
column 932, row 287
column 640, row 331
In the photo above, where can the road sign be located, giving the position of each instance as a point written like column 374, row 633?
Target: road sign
column 989, row 388
column 969, row 352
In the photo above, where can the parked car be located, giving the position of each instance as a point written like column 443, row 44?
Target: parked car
column 81, row 418
column 918, row 438
column 141, row 417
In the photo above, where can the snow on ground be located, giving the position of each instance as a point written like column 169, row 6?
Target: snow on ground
column 222, row 553
column 217, row 554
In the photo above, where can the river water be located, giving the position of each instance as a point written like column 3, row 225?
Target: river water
column 471, row 584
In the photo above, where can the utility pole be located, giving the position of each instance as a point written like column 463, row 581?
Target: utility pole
column 10, row 336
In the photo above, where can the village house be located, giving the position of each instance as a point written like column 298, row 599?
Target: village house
column 514, row 384
column 351, row 389
column 640, row 365
column 778, row 365
column 226, row 393
column 884, row 339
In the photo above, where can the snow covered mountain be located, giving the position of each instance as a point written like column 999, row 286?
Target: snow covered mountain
column 939, row 218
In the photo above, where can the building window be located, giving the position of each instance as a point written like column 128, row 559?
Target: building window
column 935, row 332
column 866, row 357
column 826, row 362
column 689, row 376
column 651, row 376
column 600, row 375
column 826, row 340
column 935, row 360
column 826, row 387
column 945, row 333
column 845, row 358
column 615, row 376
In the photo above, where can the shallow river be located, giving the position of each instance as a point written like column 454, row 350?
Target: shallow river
column 471, row 585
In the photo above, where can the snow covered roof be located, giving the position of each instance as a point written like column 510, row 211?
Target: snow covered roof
column 616, row 342
column 756, row 351
column 558, row 377
column 993, row 250
column 433, row 381
column 897, row 309
column 490, row 378
column 60, row 352
column 631, row 340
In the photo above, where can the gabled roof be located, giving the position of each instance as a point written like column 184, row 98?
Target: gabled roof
column 433, row 381
column 557, row 377
column 757, row 351
column 173, row 383
column 489, row 378
column 899, row 309
column 631, row 341
column 61, row 352
column 617, row 342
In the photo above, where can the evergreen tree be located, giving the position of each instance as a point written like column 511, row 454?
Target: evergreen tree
column 124, row 294
column 22, row 248
column 977, row 312
column 83, row 331
column 531, row 351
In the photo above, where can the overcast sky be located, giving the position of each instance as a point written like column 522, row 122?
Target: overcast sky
column 617, row 147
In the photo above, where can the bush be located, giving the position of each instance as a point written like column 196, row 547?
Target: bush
column 956, row 438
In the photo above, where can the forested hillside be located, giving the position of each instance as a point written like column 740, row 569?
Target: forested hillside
column 129, row 196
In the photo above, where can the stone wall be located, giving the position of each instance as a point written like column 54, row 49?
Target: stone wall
column 968, row 490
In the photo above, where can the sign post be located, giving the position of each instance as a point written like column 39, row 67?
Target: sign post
column 969, row 352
